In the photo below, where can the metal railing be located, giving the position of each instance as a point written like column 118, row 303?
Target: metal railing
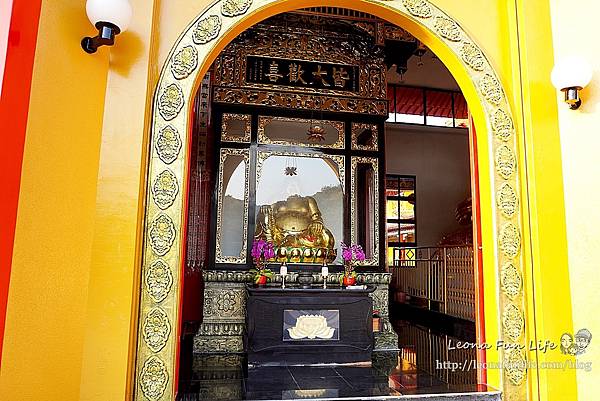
column 442, row 276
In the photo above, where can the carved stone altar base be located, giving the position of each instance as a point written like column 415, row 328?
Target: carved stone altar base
column 224, row 324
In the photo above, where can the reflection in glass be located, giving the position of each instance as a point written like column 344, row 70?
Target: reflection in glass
column 300, row 206
column 300, row 132
column 407, row 233
column 233, row 206
column 365, row 207
column 392, row 209
column 407, row 210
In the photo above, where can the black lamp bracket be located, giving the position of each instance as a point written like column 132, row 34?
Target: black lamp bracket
column 106, row 37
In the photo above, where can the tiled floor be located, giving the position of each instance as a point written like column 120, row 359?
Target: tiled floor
column 239, row 382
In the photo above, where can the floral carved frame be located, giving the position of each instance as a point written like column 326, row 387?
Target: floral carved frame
column 158, row 322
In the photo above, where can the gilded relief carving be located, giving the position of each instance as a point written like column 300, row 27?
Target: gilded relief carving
column 418, row 8
column 448, row 29
column 230, row 344
column 156, row 329
column 506, row 162
column 154, row 378
column 184, row 62
column 472, row 56
column 232, row 8
column 165, row 189
column 502, row 125
column 207, row 29
column 265, row 121
column 168, row 144
column 358, row 129
column 162, row 234
column 507, row 200
column 227, row 132
column 511, row 281
column 170, row 102
column 300, row 101
column 510, row 240
column 491, row 89
column 159, row 281
column 515, row 366
column 513, row 322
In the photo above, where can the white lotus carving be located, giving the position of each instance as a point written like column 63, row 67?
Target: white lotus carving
column 311, row 327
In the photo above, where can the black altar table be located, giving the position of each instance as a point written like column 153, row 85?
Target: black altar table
column 308, row 326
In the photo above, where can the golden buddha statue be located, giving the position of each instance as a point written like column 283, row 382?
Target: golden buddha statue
column 295, row 227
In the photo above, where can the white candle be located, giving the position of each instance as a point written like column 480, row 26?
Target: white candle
column 325, row 271
column 283, row 270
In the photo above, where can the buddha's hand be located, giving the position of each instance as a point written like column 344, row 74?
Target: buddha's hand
column 315, row 228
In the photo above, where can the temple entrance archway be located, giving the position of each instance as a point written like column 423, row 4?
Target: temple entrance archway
column 501, row 211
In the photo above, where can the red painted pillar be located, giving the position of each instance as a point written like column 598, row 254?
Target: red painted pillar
column 14, row 107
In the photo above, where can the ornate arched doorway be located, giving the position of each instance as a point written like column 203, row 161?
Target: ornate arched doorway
column 191, row 56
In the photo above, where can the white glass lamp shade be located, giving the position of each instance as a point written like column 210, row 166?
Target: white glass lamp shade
column 117, row 12
column 572, row 72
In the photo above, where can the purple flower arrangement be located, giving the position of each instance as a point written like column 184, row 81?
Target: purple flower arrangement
column 261, row 252
column 351, row 254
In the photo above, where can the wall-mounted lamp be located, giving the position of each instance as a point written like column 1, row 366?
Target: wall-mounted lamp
column 570, row 76
column 110, row 17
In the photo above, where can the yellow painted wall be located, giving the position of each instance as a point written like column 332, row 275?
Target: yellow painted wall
column 46, row 314
column 70, row 325
column 575, row 31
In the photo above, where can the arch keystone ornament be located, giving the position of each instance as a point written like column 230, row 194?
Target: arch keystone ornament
column 170, row 130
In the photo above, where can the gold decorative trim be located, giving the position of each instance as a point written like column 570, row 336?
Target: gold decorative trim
column 230, row 137
column 448, row 29
column 506, row 162
column 510, row 240
column 510, row 280
column 152, row 380
column 241, row 259
column 165, row 189
column 507, row 200
column 357, row 128
column 300, row 101
column 184, row 62
column 162, row 234
column 232, row 8
column 170, row 102
column 156, row 329
column 418, row 8
column 515, row 367
column 159, row 281
column 502, row 125
column 513, row 322
column 491, row 89
column 374, row 261
column 264, row 121
column 473, row 57
column 168, row 144
column 207, row 30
